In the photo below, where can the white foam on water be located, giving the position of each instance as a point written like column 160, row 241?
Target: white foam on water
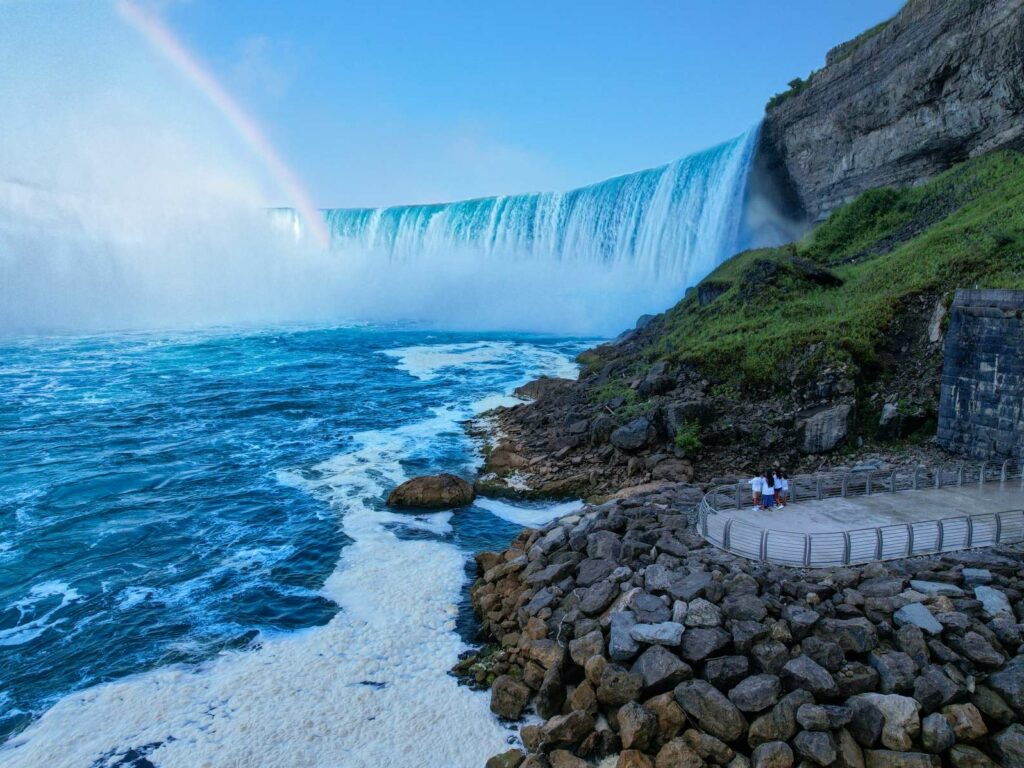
column 370, row 688
column 528, row 515
column 23, row 632
column 426, row 362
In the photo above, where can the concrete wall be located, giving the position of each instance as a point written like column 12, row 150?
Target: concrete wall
column 981, row 410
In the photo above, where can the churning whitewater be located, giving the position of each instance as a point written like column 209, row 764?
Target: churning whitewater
column 197, row 537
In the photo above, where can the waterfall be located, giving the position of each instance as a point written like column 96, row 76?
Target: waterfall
column 673, row 223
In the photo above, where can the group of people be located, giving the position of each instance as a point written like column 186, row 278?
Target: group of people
column 770, row 489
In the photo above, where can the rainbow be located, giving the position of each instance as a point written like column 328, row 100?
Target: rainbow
column 163, row 41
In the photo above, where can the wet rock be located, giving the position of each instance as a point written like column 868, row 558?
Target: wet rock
column 566, row 730
column 551, row 694
column 443, row 491
column 711, row 709
column 509, row 697
column 563, row 758
column 511, row 759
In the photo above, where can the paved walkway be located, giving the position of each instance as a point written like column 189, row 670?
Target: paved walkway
column 882, row 526
column 853, row 512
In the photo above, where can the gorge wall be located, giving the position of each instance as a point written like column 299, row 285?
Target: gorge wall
column 940, row 82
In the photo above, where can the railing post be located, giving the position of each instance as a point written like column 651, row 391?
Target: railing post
column 726, row 533
column 818, row 479
column 981, row 474
column 846, row 547
column 764, row 545
column 1002, row 472
column 970, row 531
column 910, row 539
column 867, row 486
column 914, row 482
column 942, row 535
column 843, row 491
column 739, row 497
column 878, row 543
column 938, row 478
column 999, row 526
column 807, row 549
column 960, row 475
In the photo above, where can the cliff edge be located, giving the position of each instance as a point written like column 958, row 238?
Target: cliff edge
column 941, row 82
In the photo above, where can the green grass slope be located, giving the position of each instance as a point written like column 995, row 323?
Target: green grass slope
column 841, row 287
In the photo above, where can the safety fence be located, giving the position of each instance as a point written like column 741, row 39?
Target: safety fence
column 861, row 545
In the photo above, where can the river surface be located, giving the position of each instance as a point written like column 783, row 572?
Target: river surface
column 196, row 566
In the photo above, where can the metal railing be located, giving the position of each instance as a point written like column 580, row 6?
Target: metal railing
column 862, row 545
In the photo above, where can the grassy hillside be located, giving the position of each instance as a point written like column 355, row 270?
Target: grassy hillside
column 842, row 286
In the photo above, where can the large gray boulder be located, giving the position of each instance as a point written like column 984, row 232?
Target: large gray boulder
column 634, row 435
column 827, row 429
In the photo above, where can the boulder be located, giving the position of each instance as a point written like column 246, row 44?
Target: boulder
column 633, row 758
column 884, row 758
column 966, row 721
column 678, row 754
column 804, row 673
column 826, row 429
column 509, row 697
column 664, row 633
column 443, row 491
column 661, row 670
column 698, row 644
column 966, row 756
column 711, row 709
column 780, row 723
column 896, row 671
column 993, row 601
column 634, row 435
column 1008, row 746
column 513, row 758
column 582, row 648
column 756, row 693
column 772, row 754
column 638, row 726
column 816, row 747
column 617, row 686
column 724, row 672
column 621, row 645
column 566, row 730
column 901, row 721
column 936, row 734
column 1009, row 683
column 917, row 615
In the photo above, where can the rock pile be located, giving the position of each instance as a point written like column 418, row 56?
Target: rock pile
column 641, row 646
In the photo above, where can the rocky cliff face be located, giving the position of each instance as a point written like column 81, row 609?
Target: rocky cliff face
column 941, row 82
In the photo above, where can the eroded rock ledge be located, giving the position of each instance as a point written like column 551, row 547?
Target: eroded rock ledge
column 639, row 645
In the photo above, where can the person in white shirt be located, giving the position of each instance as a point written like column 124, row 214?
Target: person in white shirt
column 756, row 484
column 768, row 491
column 781, row 488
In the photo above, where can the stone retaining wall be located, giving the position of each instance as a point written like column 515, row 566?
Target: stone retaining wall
column 981, row 411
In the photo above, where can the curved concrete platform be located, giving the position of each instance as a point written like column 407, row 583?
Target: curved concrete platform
column 859, row 526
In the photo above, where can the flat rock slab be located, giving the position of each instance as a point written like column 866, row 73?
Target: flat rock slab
column 919, row 616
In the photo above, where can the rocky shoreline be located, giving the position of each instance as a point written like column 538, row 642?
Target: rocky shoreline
column 638, row 645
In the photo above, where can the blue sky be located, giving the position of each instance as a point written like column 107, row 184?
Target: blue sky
column 398, row 102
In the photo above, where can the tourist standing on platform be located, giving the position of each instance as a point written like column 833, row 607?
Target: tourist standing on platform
column 756, row 483
column 768, row 491
column 781, row 488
